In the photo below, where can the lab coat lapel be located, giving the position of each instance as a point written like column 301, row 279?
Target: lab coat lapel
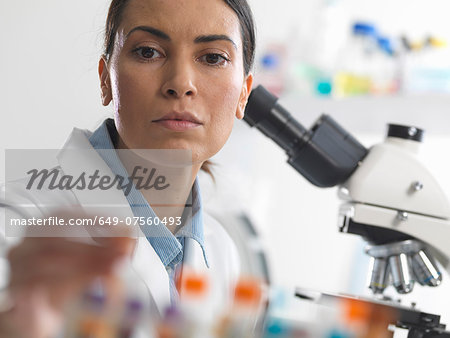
column 78, row 157
column 149, row 267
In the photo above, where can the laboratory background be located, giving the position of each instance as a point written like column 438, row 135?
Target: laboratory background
column 365, row 63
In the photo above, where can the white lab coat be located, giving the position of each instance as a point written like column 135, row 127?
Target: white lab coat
column 222, row 254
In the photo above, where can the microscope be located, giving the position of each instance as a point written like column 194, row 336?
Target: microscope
column 388, row 197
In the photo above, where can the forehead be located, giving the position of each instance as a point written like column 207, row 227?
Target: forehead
column 183, row 18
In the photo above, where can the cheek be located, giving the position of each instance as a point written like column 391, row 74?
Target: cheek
column 133, row 93
column 228, row 98
column 128, row 88
column 225, row 118
column 224, row 92
column 222, row 108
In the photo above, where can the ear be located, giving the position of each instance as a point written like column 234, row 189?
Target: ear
column 246, row 89
column 105, row 81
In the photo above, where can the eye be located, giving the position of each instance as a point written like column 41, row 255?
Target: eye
column 147, row 53
column 214, row 59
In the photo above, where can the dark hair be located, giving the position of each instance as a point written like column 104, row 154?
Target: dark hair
column 248, row 35
column 240, row 7
column 245, row 16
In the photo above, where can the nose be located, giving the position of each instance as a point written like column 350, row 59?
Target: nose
column 179, row 80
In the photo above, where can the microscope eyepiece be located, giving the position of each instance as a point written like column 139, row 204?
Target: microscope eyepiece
column 273, row 120
column 405, row 132
column 326, row 155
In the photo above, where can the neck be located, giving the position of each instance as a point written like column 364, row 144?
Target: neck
column 164, row 182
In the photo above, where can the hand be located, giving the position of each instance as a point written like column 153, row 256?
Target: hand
column 46, row 273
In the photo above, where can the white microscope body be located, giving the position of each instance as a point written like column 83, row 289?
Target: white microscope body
column 392, row 189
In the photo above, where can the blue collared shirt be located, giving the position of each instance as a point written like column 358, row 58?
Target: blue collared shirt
column 168, row 247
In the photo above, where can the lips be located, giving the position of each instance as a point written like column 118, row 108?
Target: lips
column 178, row 121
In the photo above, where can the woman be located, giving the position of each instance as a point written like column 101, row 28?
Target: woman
column 177, row 73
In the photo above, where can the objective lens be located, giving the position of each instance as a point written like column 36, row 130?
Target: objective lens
column 425, row 270
column 378, row 274
column 401, row 276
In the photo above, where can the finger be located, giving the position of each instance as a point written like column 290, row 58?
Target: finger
column 36, row 247
column 120, row 245
column 48, row 267
column 60, row 288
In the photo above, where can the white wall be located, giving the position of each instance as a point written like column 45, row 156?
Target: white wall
column 48, row 63
column 48, row 84
column 417, row 18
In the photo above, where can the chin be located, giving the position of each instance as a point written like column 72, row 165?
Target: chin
column 170, row 144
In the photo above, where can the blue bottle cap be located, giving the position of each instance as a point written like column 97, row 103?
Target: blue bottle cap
column 364, row 28
column 385, row 45
column 270, row 60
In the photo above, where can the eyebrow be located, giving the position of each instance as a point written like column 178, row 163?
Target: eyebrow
column 200, row 39
column 154, row 31
column 214, row 37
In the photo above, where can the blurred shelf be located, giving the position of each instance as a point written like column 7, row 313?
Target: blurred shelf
column 370, row 114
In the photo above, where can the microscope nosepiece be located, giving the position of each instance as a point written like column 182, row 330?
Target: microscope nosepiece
column 401, row 264
column 401, row 273
column 425, row 270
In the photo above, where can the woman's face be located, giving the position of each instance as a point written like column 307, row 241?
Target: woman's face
column 176, row 76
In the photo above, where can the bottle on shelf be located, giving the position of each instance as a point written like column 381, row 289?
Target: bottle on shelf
column 385, row 79
column 355, row 67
